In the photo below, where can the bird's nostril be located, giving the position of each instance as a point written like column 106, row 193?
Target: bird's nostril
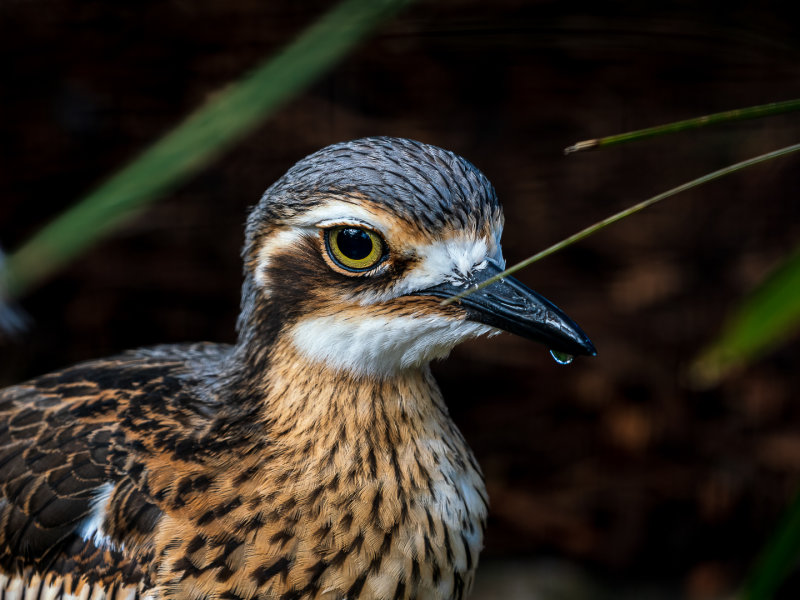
column 515, row 302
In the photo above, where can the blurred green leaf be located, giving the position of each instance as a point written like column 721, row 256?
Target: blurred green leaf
column 777, row 560
column 767, row 318
column 196, row 141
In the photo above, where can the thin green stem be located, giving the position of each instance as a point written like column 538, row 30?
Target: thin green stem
column 739, row 114
column 626, row 213
column 196, row 141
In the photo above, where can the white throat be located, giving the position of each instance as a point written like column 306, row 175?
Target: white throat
column 380, row 345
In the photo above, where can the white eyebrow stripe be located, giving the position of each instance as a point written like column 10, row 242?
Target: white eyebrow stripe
column 343, row 221
column 339, row 212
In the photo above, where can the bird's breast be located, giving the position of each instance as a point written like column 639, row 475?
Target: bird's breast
column 351, row 519
column 364, row 489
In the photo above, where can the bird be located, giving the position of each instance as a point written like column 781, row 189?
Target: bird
column 314, row 457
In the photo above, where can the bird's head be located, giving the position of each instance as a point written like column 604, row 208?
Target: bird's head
column 349, row 255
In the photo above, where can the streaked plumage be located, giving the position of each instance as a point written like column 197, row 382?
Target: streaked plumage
column 315, row 458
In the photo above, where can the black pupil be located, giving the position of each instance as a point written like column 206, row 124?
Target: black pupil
column 354, row 243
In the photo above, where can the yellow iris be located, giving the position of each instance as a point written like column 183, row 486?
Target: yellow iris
column 354, row 248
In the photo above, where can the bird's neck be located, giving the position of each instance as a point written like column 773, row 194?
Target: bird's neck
column 297, row 394
column 378, row 469
column 302, row 398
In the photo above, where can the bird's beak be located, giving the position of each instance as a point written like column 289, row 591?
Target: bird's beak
column 511, row 306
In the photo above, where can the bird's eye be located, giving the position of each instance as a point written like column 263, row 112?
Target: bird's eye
column 354, row 248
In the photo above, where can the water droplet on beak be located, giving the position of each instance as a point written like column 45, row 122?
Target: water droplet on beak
column 561, row 358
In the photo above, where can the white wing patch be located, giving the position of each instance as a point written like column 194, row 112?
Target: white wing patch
column 91, row 528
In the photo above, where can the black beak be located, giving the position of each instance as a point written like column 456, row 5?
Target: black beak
column 510, row 306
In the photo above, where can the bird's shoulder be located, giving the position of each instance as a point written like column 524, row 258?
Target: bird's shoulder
column 70, row 436
column 167, row 375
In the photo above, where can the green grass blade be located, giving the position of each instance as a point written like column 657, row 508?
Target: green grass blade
column 195, row 141
column 739, row 114
column 584, row 233
column 768, row 317
column 777, row 560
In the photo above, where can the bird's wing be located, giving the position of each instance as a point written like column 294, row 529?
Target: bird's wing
column 72, row 508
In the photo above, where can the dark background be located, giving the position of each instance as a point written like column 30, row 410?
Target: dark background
column 616, row 464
